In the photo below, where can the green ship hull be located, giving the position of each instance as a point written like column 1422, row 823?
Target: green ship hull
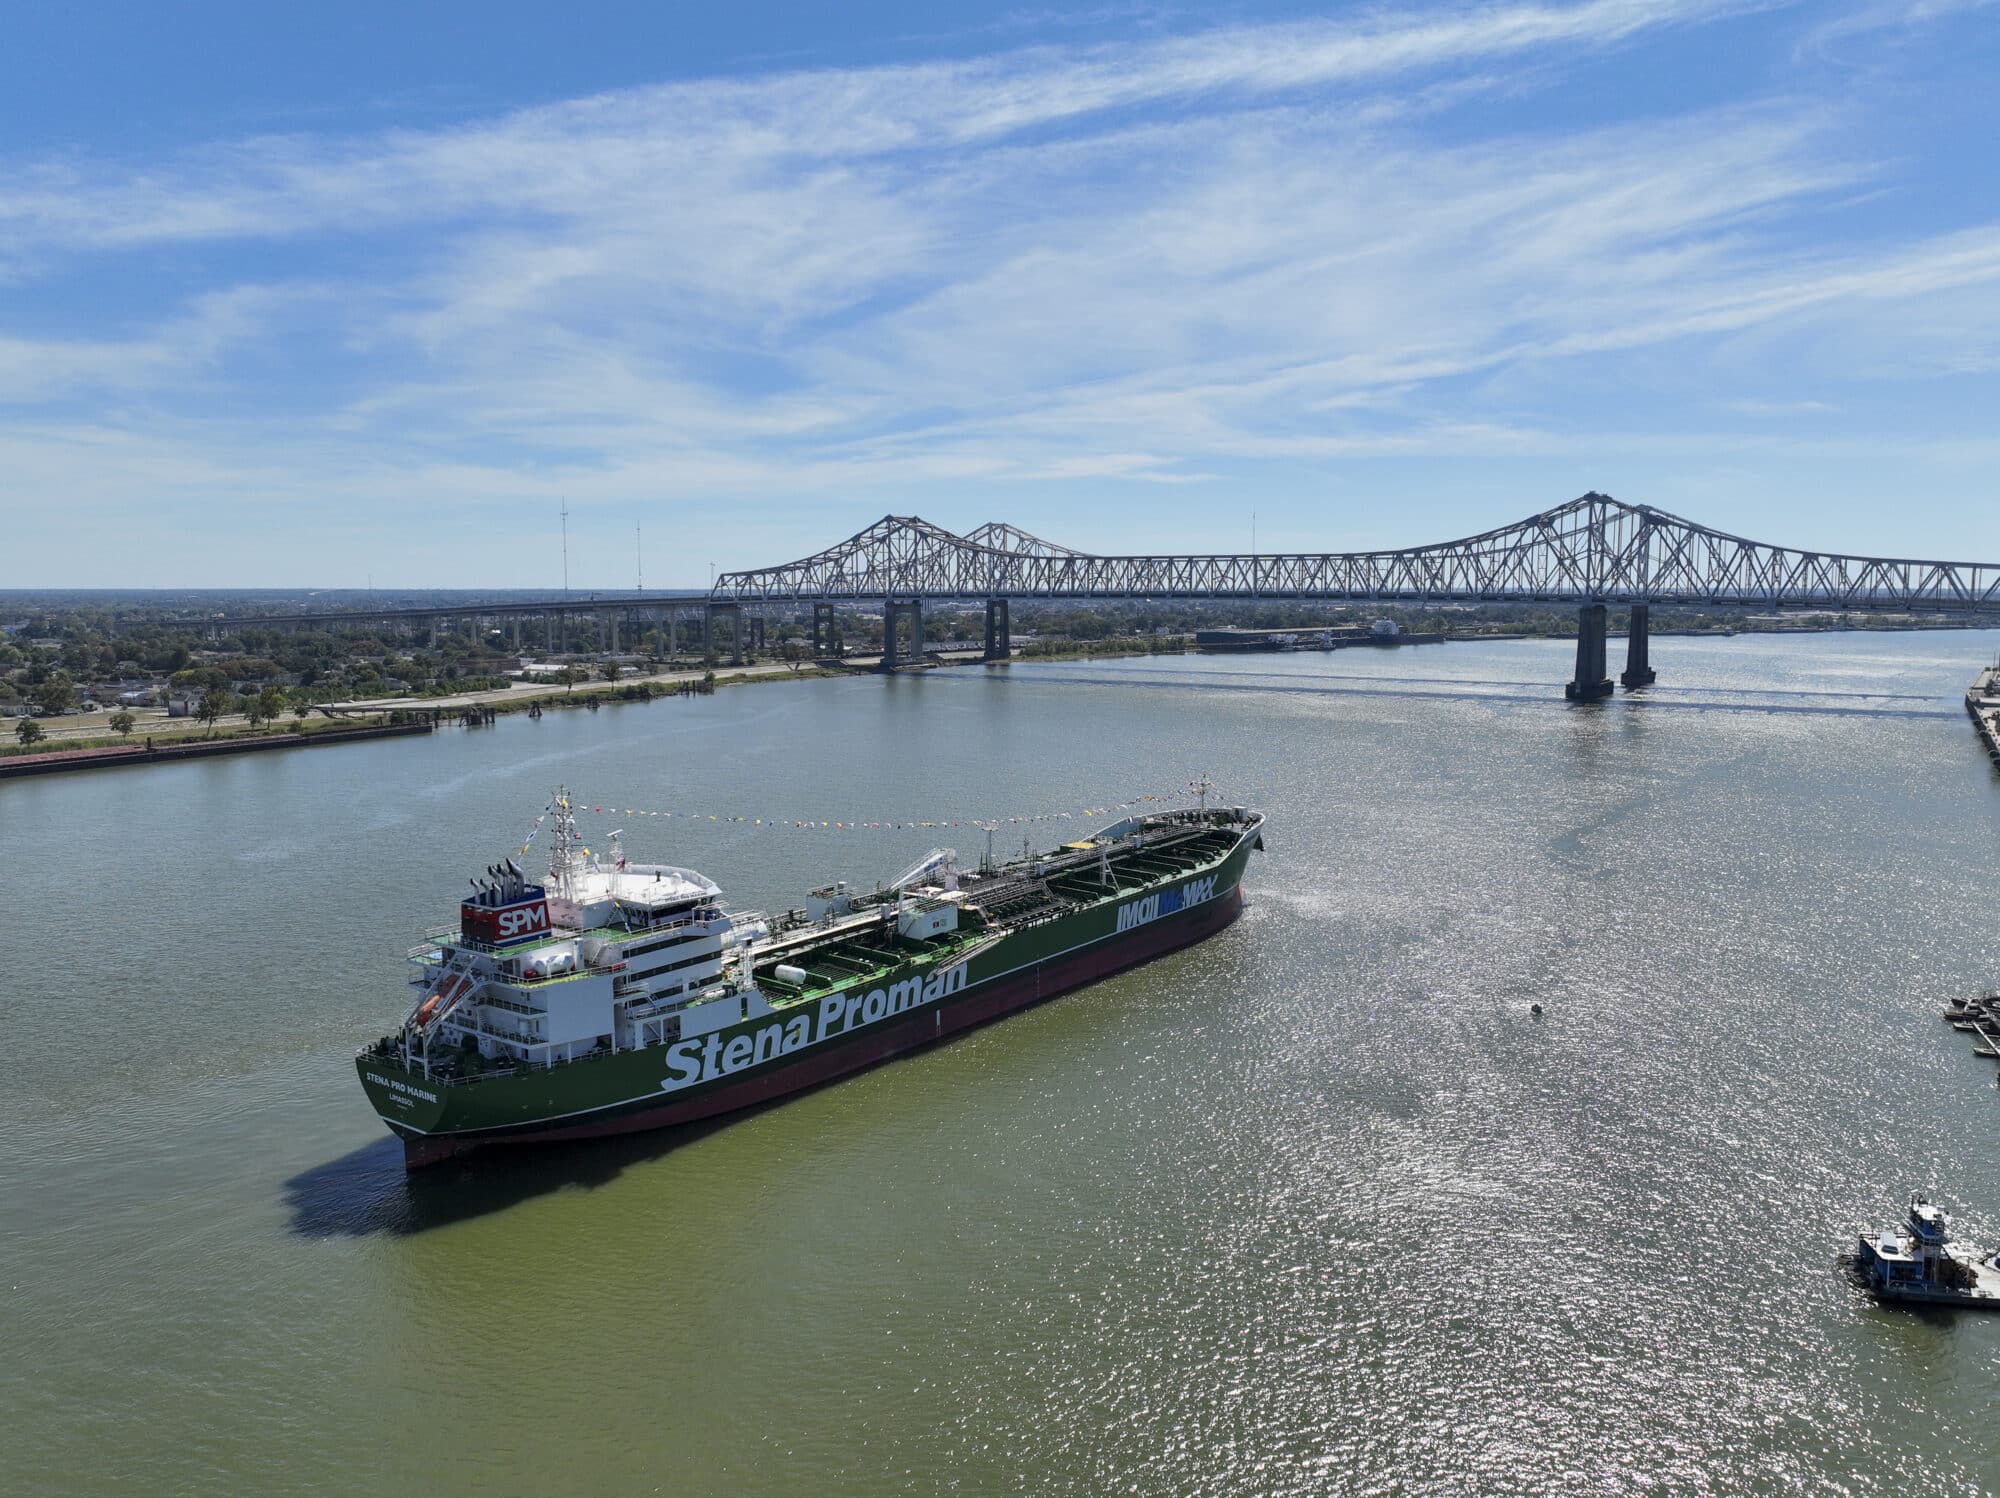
column 952, row 985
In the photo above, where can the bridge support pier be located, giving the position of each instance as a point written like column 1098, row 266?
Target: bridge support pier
column 825, row 631
column 708, row 616
column 893, row 614
column 1591, row 684
column 999, row 635
column 1639, row 670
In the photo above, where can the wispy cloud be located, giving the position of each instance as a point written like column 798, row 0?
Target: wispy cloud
column 1141, row 263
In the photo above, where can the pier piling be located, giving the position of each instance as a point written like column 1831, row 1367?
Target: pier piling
column 1591, row 684
column 999, row 636
column 1591, row 681
column 1639, row 670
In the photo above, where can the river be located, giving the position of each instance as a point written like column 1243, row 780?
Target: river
column 1318, row 1207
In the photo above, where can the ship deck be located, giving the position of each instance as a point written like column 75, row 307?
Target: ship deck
column 1009, row 899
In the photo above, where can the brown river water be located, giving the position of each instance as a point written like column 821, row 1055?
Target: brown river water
column 1318, row 1207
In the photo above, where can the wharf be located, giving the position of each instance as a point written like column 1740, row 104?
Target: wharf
column 1302, row 638
column 1982, row 705
column 1979, row 1018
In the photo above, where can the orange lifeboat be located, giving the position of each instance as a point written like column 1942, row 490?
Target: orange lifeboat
column 448, row 993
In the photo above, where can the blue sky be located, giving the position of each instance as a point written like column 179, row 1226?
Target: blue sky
column 299, row 295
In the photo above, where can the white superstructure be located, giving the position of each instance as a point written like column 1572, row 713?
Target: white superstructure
column 609, row 956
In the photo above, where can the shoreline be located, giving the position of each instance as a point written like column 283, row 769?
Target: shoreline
column 62, row 761
column 423, row 716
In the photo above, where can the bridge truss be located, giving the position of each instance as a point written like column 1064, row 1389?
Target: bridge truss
column 1592, row 550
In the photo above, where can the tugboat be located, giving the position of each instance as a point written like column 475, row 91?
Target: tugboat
column 1919, row 1262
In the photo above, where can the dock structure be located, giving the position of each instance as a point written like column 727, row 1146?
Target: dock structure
column 1980, row 1018
column 1982, row 705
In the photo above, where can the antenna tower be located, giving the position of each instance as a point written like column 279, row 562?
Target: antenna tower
column 562, row 850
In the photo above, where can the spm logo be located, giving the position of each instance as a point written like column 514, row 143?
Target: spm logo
column 523, row 919
column 1166, row 902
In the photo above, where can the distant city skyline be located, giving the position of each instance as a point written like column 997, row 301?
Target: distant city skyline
column 288, row 303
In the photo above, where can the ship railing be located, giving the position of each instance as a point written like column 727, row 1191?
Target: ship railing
column 495, row 1001
column 493, row 1073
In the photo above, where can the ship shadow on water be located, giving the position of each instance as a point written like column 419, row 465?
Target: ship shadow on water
column 366, row 1191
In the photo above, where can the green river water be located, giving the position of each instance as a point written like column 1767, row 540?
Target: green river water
column 1318, row 1207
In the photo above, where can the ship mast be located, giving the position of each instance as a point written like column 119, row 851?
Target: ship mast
column 563, row 852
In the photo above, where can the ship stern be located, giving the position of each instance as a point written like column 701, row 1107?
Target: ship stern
column 411, row 1104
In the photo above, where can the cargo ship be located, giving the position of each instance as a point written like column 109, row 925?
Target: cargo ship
column 620, row 996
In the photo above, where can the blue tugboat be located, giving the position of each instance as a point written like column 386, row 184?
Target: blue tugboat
column 1919, row 1262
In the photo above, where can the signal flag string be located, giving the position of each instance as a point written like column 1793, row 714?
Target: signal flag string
column 885, row 825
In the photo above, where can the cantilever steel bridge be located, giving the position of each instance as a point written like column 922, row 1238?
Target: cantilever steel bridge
column 1591, row 550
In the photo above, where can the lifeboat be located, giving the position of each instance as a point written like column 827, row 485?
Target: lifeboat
column 448, row 993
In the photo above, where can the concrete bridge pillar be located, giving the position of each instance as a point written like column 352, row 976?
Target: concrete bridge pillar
column 1591, row 684
column 1639, row 670
column 891, row 612
column 825, row 630
column 612, row 619
column 709, row 614
column 999, row 635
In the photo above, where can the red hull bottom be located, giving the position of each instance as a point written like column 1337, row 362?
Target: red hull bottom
column 985, row 1004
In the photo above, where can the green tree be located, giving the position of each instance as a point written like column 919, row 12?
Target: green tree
column 271, row 704
column 29, row 732
column 214, row 703
column 123, row 722
column 610, row 670
column 55, row 694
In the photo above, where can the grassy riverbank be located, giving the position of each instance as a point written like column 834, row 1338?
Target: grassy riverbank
column 185, row 732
